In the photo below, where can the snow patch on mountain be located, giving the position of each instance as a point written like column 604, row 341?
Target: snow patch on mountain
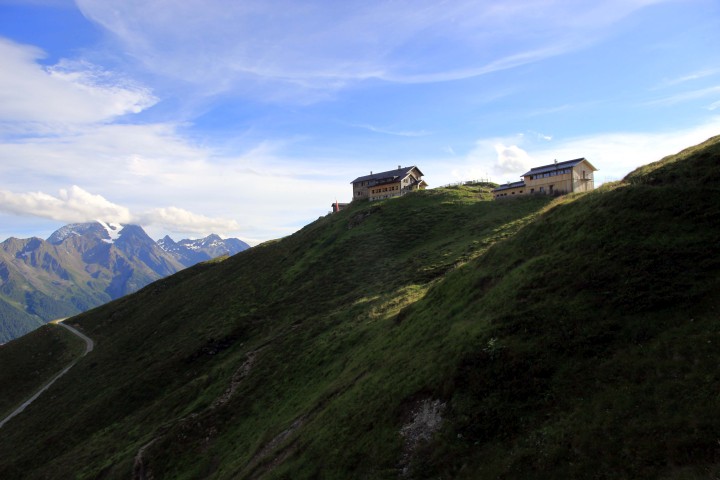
column 114, row 230
column 73, row 229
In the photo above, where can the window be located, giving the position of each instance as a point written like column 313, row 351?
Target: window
column 532, row 190
column 542, row 189
column 551, row 188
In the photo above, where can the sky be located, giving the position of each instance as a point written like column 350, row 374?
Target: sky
column 248, row 119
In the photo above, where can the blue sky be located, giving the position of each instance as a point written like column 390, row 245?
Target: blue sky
column 249, row 118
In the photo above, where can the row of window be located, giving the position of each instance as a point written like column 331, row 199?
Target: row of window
column 550, row 174
column 380, row 190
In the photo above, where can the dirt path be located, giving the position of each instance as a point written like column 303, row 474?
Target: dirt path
column 89, row 345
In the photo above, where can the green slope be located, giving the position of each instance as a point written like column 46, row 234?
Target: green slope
column 29, row 362
column 441, row 334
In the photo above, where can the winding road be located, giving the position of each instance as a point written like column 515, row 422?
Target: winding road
column 89, row 345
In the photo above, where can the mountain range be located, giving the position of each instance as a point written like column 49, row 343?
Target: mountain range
column 83, row 265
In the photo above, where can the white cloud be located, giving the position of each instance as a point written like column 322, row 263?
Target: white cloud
column 178, row 219
column 74, row 205
column 495, row 157
column 65, row 93
column 511, row 159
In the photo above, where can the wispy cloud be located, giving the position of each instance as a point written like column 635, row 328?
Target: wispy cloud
column 541, row 136
column 265, row 47
column 688, row 78
column 686, row 96
column 396, row 133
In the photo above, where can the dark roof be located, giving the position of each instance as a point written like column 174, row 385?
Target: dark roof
column 509, row 185
column 389, row 176
column 557, row 166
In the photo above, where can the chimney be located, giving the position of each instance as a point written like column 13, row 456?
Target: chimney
column 555, row 161
column 370, row 172
column 399, row 167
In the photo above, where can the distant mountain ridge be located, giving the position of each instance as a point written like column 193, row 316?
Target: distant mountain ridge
column 83, row 265
column 190, row 252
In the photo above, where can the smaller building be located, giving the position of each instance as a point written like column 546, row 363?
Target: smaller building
column 393, row 183
column 509, row 189
column 337, row 206
column 555, row 179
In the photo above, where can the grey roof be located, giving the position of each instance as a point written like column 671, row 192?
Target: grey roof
column 509, row 185
column 389, row 176
column 557, row 166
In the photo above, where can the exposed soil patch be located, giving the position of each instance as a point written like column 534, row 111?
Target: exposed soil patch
column 425, row 419
column 213, row 347
column 140, row 470
column 263, row 455
column 236, row 380
column 360, row 217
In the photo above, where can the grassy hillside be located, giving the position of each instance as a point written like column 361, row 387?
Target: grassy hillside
column 30, row 361
column 439, row 335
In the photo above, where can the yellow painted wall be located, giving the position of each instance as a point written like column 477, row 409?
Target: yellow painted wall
column 552, row 184
column 387, row 190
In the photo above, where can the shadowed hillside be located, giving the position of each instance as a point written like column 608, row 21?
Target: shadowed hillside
column 439, row 335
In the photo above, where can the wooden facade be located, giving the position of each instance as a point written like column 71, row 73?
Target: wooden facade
column 393, row 183
column 555, row 179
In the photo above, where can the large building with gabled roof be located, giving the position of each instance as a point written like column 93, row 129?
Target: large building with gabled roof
column 392, row 183
column 554, row 179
